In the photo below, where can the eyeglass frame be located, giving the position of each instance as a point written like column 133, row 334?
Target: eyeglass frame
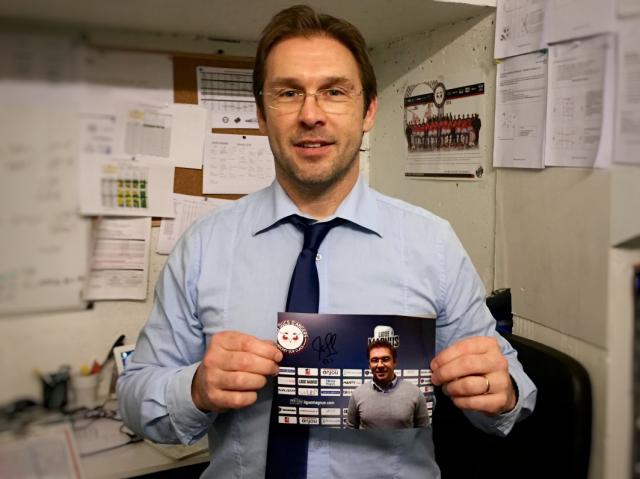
column 302, row 95
column 383, row 360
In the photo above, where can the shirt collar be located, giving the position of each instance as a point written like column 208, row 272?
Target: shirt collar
column 359, row 207
column 388, row 387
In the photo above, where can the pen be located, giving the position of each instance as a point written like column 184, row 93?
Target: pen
column 45, row 378
column 95, row 367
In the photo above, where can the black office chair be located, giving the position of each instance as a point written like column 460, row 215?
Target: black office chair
column 553, row 442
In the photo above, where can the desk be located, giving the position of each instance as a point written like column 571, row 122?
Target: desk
column 133, row 460
column 127, row 461
column 95, row 444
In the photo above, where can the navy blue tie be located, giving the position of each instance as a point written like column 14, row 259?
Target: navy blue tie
column 288, row 444
column 304, row 289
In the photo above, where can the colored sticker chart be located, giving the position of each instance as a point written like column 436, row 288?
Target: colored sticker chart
column 325, row 360
column 125, row 186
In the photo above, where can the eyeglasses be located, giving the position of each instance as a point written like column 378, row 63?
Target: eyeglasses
column 383, row 359
column 335, row 100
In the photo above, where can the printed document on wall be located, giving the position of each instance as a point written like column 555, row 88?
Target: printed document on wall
column 38, row 69
column 171, row 132
column 44, row 242
column 174, row 132
column 572, row 19
column 125, row 186
column 580, row 103
column 188, row 209
column 147, row 77
column 518, row 27
column 120, row 259
column 237, row 164
column 521, row 101
column 627, row 144
column 228, row 94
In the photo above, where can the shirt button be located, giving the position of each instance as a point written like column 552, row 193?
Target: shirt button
column 318, row 257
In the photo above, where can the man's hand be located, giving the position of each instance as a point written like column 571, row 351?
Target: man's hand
column 234, row 368
column 475, row 374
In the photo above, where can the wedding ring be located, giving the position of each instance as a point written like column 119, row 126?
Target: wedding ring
column 486, row 391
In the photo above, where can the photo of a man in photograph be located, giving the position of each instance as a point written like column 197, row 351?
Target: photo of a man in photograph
column 388, row 401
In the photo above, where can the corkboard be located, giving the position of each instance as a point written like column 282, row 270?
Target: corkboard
column 189, row 181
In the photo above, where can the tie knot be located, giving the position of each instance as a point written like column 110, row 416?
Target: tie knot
column 314, row 232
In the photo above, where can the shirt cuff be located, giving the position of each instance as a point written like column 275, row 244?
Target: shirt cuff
column 187, row 420
column 503, row 423
column 500, row 424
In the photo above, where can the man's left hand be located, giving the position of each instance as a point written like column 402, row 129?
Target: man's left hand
column 475, row 374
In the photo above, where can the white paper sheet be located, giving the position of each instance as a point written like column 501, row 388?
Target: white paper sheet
column 173, row 132
column 580, row 103
column 573, row 19
column 627, row 144
column 228, row 94
column 38, row 69
column 521, row 102
column 44, row 242
column 518, row 27
column 97, row 132
column 97, row 434
column 122, row 186
column 118, row 127
column 147, row 77
column 188, row 209
column 236, row 164
column 120, row 259
column 44, row 453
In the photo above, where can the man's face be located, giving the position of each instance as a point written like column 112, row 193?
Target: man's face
column 382, row 365
column 314, row 150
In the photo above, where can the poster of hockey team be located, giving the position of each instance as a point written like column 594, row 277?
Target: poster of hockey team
column 442, row 127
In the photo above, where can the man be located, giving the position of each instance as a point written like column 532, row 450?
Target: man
column 476, row 123
column 206, row 354
column 387, row 402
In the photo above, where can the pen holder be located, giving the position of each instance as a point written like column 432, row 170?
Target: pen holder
column 84, row 390
column 55, row 390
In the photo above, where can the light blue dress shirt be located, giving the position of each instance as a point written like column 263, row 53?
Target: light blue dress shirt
column 231, row 271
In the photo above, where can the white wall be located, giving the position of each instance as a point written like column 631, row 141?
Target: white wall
column 46, row 341
column 459, row 54
column 544, row 234
column 553, row 224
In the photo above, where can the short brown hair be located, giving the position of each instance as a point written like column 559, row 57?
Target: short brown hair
column 382, row 343
column 303, row 21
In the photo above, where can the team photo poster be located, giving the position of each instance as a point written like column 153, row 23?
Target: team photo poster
column 325, row 359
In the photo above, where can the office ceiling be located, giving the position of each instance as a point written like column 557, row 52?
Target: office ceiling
column 242, row 20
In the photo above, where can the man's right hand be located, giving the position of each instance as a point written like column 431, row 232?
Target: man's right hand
column 234, row 368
